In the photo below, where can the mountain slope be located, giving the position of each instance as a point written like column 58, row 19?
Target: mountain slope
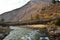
column 25, row 12
column 51, row 11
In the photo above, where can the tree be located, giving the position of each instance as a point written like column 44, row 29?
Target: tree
column 37, row 17
column 31, row 17
column 2, row 20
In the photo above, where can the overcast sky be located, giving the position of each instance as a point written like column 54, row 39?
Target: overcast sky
column 8, row 5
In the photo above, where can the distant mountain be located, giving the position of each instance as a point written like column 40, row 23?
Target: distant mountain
column 33, row 7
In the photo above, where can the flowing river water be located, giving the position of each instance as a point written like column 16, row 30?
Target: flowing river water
column 19, row 33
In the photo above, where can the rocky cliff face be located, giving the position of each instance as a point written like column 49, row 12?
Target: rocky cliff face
column 33, row 7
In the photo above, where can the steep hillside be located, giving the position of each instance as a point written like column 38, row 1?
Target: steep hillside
column 33, row 7
column 51, row 11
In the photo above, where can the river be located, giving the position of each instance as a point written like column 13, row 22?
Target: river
column 19, row 33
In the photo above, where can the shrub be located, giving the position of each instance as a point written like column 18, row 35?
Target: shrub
column 58, row 22
column 55, row 22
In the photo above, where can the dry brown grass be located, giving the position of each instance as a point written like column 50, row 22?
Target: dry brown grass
column 51, row 11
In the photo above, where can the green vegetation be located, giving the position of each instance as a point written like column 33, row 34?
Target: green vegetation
column 58, row 22
column 2, row 20
column 37, row 17
column 31, row 17
column 55, row 22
